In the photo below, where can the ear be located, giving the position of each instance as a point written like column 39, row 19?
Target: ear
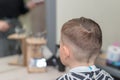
column 67, row 52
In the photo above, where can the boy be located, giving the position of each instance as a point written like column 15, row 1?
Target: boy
column 81, row 41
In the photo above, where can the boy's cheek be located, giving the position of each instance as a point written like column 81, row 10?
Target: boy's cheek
column 61, row 52
column 61, row 55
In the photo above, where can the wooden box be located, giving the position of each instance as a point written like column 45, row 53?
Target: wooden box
column 34, row 54
column 21, row 38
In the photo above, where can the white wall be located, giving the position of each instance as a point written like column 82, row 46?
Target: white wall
column 105, row 12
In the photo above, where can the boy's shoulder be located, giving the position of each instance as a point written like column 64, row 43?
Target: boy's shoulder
column 93, row 75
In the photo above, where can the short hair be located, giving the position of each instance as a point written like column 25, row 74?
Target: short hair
column 84, row 33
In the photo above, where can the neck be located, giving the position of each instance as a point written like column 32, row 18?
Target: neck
column 77, row 64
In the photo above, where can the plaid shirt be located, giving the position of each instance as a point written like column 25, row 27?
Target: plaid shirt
column 96, row 74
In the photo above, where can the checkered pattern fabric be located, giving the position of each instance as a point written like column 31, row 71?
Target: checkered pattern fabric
column 93, row 75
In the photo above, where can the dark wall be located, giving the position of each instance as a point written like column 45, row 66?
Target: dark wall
column 51, row 24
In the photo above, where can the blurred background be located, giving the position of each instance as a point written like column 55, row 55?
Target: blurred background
column 49, row 16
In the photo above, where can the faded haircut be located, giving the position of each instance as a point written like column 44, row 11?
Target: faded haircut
column 83, row 34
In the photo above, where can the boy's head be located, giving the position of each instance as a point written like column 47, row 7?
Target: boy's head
column 81, row 40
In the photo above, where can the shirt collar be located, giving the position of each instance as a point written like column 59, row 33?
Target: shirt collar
column 84, row 69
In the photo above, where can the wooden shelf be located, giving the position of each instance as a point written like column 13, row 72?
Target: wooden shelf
column 33, row 51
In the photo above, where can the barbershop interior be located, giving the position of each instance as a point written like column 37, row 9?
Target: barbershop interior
column 30, row 36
